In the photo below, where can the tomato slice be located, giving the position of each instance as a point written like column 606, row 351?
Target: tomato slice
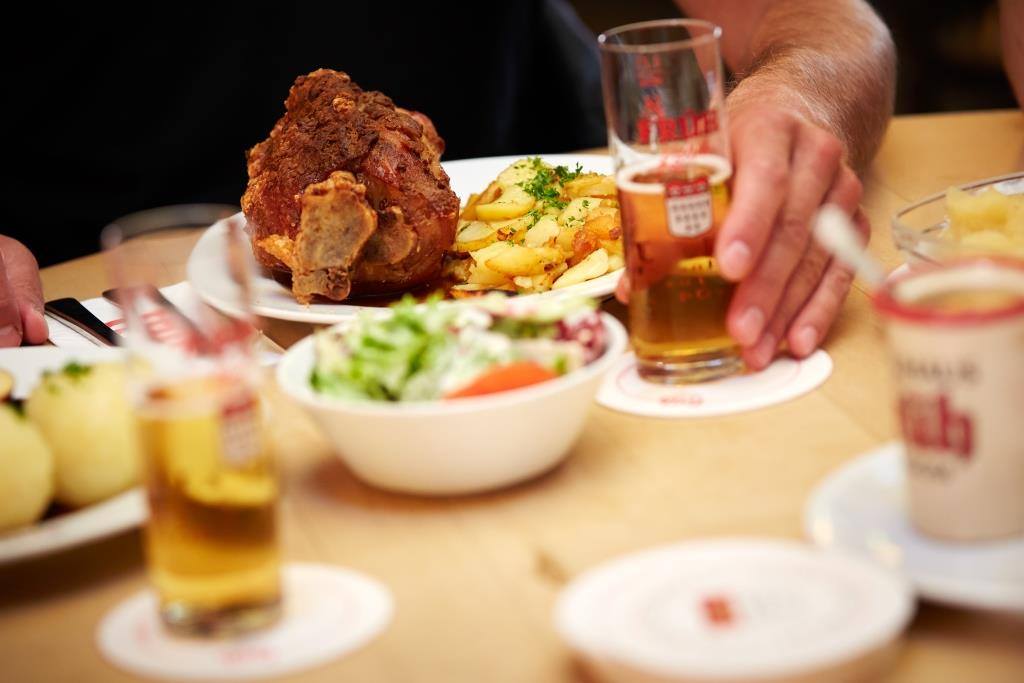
column 505, row 378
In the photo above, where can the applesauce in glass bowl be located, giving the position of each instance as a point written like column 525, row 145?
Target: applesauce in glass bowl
column 976, row 223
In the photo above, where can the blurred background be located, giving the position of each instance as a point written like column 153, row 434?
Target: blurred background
column 105, row 121
column 949, row 56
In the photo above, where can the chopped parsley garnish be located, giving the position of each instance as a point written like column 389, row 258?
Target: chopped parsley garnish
column 565, row 175
column 76, row 370
column 542, row 188
column 546, row 184
column 73, row 370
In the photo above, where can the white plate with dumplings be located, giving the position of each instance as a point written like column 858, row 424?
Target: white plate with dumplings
column 70, row 528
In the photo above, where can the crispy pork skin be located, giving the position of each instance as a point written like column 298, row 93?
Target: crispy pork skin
column 347, row 194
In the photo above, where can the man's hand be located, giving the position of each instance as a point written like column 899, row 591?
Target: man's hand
column 21, row 296
column 789, row 287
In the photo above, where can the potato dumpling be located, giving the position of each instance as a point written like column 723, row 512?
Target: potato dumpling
column 83, row 412
column 26, row 471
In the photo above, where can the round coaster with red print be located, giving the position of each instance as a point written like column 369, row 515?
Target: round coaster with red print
column 328, row 612
column 785, row 379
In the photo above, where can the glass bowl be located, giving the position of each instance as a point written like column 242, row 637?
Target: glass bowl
column 920, row 229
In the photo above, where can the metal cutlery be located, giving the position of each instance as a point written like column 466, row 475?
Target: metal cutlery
column 78, row 316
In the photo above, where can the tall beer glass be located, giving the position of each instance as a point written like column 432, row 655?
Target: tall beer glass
column 211, row 539
column 664, row 103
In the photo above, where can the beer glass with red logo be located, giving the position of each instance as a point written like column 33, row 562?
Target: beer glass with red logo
column 664, row 103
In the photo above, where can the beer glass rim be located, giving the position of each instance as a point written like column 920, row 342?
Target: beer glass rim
column 710, row 33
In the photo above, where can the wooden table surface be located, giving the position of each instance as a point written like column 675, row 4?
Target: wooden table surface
column 474, row 579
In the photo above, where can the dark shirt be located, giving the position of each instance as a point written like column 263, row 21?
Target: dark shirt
column 150, row 108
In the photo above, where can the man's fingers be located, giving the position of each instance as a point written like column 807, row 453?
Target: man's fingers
column 845, row 192
column 821, row 310
column 816, row 162
column 762, row 153
column 10, row 313
column 802, row 284
column 21, row 295
column 33, row 325
column 814, row 321
column 622, row 289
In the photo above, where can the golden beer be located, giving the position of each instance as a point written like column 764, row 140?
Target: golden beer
column 671, row 211
column 212, row 533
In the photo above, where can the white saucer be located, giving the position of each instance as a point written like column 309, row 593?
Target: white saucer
column 783, row 380
column 860, row 509
column 734, row 609
column 329, row 612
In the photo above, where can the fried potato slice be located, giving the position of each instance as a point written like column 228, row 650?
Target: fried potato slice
column 480, row 256
column 531, row 284
column 511, row 203
column 492, row 192
column 543, row 232
column 584, row 243
column 613, row 247
column 475, row 235
column 482, row 275
column 593, row 266
column 605, row 226
column 520, row 260
column 591, row 185
column 513, row 229
column 469, row 211
column 522, row 171
column 576, row 211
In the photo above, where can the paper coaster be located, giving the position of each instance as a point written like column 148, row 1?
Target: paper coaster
column 329, row 612
column 785, row 379
column 736, row 609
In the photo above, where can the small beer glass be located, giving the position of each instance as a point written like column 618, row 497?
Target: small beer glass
column 664, row 103
column 211, row 538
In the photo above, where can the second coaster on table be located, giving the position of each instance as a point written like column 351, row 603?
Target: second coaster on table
column 783, row 380
column 329, row 612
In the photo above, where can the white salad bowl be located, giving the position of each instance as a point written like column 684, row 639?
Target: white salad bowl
column 458, row 446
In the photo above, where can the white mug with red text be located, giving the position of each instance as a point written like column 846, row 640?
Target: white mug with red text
column 956, row 346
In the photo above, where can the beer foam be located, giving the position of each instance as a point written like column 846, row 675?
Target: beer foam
column 624, row 177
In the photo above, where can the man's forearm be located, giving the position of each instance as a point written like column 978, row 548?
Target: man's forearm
column 1011, row 16
column 832, row 61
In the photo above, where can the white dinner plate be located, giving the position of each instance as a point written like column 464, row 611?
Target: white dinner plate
column 271, row 299
column 860, row 509
column 114, row 515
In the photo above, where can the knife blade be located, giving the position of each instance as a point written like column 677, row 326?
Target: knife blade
column 75, row 314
